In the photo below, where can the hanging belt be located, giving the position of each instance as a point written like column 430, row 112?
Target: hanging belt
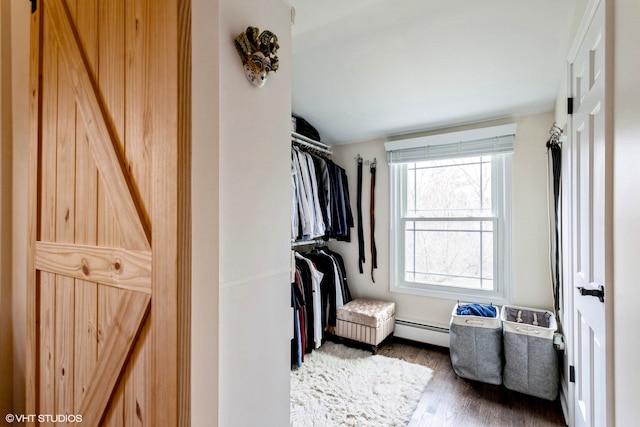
column 360, row 231
column 556, row 156
column 374, row 252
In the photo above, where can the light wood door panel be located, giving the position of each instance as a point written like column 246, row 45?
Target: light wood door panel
column 109, row 160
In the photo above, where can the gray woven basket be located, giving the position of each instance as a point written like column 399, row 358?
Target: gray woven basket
column 531, row 360
column 475, row 346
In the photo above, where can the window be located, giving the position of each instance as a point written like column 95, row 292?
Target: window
column 451, row 215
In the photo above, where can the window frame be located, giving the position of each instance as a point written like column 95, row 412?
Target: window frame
column 501, row 169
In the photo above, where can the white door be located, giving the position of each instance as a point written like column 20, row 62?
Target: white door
column 589, row 194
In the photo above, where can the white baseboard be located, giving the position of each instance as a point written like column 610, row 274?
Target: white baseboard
column 435, row 335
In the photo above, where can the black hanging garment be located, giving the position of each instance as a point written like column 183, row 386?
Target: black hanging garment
column 345, row 208
column 361, row 259
column 556, row 158
column 374, row 252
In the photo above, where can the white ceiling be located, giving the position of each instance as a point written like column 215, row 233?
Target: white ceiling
column 369, row 69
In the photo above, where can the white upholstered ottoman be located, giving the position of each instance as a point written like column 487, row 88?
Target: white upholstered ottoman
column 366, row 320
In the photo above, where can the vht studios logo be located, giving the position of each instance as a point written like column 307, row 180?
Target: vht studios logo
column 43, row 418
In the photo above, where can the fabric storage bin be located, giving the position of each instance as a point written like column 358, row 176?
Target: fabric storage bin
column 475, row 346
column 531, row 361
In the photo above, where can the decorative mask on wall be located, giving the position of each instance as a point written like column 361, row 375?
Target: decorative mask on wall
column 258, row 54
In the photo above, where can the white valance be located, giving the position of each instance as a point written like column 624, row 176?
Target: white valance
column 475, row 142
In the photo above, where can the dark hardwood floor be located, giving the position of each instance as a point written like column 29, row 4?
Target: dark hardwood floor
column 453, row 401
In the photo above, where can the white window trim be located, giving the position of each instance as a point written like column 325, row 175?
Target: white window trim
column 503, row 276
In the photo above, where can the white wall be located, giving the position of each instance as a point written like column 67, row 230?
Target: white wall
column 626, row 209
column 532, row 286
column 255, row 293
column 205, row 218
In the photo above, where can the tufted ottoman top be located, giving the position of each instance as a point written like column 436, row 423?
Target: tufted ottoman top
column 368, row 312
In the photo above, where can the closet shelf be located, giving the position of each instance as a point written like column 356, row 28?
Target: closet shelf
column 310, row 143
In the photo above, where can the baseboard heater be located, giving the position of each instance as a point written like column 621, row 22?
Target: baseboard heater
column 429, row 334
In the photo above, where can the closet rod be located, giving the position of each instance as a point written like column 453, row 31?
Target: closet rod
column 311, row 143
column 308, row 242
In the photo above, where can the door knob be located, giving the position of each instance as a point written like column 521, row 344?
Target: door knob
column 599, row 293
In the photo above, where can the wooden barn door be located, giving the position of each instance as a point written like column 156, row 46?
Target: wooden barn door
column 109, row 257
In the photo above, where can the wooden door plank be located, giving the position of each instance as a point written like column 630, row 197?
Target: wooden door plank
column 105, row 144
column 137, row 393
column 108, row 303
column 126, row 325
column 171, row 30
column 184, row 229
column 111, row 77
column 121, row 268
column 86, row 169
column 138, row 143
column 48, row 169
column 86, row 337
column 138, row 149
column 32, row 382
column 65, row 161
column 170, row 34
column 65, row 140
column 64, row 345
column 86, row 295
column 47, row 351
column 109, row 233
column 47, row 223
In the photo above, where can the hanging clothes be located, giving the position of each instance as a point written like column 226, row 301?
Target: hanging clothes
column 320, row 288
column 345, row 208
column 320, row 210
column 301, row 214
column 309, row 212
column 320, row 202
column 297, row 302
column 311, row 278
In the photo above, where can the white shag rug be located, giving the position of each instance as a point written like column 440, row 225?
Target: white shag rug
column 342, row 386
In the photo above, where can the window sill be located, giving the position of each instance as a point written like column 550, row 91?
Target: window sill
column 454, row 294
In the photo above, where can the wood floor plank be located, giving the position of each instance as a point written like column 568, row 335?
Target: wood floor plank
column 453, row 401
